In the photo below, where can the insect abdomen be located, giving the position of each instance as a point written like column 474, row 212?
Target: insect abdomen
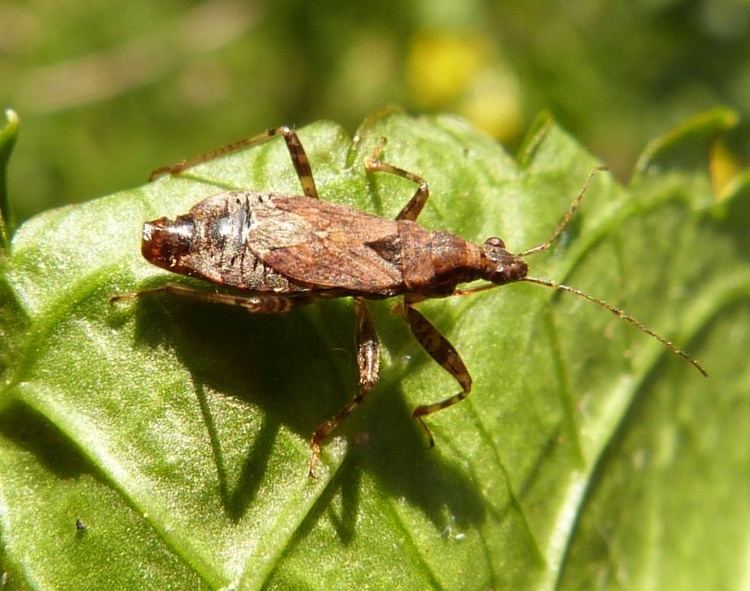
column 211, row 242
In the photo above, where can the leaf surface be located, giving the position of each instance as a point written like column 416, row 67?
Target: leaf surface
column 587, row 454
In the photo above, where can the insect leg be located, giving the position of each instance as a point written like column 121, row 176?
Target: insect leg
column 368, row 362
column 413, row 208
column 296, row 151
column 265, row 304
column 445, row 354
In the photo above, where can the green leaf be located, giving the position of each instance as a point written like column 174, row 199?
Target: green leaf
column 687, row 145
column 587, row 454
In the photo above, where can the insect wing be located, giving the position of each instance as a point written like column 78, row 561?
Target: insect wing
column 326, row 245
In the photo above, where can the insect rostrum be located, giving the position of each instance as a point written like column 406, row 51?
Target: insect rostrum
column 275, row 252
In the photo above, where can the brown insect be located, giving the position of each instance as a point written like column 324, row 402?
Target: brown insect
column 279, row 252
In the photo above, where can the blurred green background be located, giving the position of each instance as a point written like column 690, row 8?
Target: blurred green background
column 107, row 91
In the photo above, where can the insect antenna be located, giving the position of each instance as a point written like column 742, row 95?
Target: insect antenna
column 621, row 314
column 566, row 218
column 601, row 303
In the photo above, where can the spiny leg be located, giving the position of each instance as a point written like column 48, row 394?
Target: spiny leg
column 296, row 151
column 368, row 362
column 414, row 207
column 441, row 350
column 265, row 304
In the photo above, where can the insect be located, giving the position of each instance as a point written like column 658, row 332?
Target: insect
column 278, row 252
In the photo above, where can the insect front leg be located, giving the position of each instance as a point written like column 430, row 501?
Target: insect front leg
column 296, row 151
column 414, row 207
column 441, row 350
column 368, row 362
column 265, row 304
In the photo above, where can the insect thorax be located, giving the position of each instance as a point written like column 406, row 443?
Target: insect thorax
column 435, row 262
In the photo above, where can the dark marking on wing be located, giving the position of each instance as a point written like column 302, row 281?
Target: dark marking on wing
column 326, row 245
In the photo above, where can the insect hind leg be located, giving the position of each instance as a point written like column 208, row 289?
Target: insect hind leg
column 296, row 152
column 264, row 304
column 368, row 363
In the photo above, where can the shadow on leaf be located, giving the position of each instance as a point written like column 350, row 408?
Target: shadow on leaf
column 299, row 369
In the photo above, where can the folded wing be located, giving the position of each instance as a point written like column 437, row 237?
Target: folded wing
column 326, row 245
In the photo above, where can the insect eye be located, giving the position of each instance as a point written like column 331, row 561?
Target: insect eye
column 494, row 242
column 494, row 248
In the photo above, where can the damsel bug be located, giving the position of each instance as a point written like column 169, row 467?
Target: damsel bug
column 279, row 252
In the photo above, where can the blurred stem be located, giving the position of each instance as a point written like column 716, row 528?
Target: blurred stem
column 8, row 136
